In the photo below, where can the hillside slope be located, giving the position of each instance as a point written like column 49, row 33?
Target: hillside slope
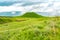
column 31, row 15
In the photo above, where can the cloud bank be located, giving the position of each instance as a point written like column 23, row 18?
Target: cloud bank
column 50, row 6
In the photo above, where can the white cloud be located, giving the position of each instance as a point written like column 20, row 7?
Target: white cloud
column 39, row 8
column 43, row 7
column 17, row 4
column 56, row 5
column 34, row 0
column 13, row 13
column 36, row 7
column 10, row 8
column 10, row 0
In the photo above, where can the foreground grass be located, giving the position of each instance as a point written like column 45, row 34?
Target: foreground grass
column 31, row 29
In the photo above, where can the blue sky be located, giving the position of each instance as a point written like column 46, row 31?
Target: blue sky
column 43, row 7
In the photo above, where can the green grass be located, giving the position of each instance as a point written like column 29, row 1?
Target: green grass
column 31, row 29
column 29, row 26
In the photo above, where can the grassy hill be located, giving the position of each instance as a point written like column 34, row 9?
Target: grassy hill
column 5, row 19
column 31, row 15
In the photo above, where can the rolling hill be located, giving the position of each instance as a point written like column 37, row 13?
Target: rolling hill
column 5, row 19
column 31, row 15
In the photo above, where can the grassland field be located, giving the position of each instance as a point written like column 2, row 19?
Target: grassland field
column 30, row 28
